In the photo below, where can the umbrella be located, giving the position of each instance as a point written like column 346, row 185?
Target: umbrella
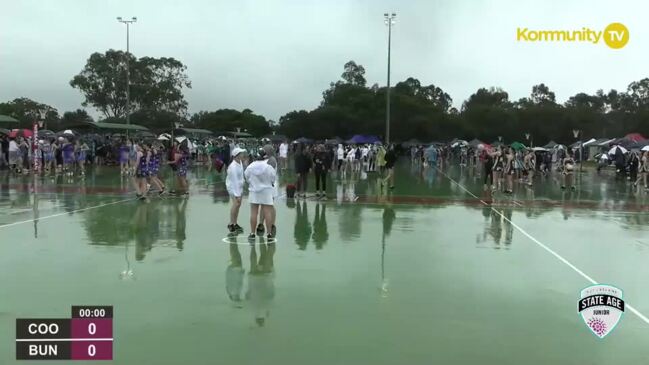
column 624, row 142
column 615, row 150
column 4, row 131
column 518, row 146
column 635, row 137
column 475, row 142
column 639, row 145
column 181, row 139
column 44, row 133
column 459, row 143
column 303, row 140
column 539, row 149
column 576, row 145
column 276, row 138
column 589, row 142
column 164, row 137
column 645, row 148
column 484, row 146
column 412, row 142
column 550, row 144
column 21, row 132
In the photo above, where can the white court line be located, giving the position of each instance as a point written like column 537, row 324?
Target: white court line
column 548, row 249
column 65, row 213
column 246, row 242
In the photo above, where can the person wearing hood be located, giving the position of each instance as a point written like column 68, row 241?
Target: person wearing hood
column 261, row 176
column 234, row 184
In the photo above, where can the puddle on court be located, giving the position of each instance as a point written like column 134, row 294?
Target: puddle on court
column 456, row 277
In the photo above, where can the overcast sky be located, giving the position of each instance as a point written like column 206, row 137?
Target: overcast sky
column 274, row 56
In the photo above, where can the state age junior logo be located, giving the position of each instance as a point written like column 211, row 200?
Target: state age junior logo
column 601, row 307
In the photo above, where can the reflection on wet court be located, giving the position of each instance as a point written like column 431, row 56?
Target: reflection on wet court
column 435, row 271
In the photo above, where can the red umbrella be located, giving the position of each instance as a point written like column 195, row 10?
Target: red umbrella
column 21, row 132
column 635, row 137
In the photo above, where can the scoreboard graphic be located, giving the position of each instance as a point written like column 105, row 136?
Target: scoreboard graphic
column 88, row 335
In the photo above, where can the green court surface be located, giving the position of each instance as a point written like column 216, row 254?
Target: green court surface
column 434, row 272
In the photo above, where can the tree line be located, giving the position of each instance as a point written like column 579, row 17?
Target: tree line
column 349, row 106
column 426, row 112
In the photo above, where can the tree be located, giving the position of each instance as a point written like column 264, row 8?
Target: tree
column 437, row 97
column 490, row 97
column 426, row 113
column 585, row 101
column 541, row 94
column 228, row 120
column 489, row 114
column 409, row 86
column 354, row 74
column 75, row 117
column 161, row 83
column 155, row 120
column 638, row 92
column 156, row 83
column 27, row 111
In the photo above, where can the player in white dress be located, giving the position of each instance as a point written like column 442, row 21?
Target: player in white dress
column 261, row 179
column 234, row 184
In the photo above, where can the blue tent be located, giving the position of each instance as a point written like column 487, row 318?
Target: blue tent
column 363, row 139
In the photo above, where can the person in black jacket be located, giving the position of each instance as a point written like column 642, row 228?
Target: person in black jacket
column 302, row 168
column 633, row 163
column 390, row 160
column 321, row 164
column 4, row 144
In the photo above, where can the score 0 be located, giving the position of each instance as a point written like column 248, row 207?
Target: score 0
column 92, row 332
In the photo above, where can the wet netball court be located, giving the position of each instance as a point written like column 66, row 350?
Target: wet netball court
column 436, row 271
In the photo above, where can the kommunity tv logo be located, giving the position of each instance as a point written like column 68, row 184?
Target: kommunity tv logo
column 615, row 35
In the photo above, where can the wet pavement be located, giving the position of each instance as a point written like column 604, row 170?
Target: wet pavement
column 435, row 271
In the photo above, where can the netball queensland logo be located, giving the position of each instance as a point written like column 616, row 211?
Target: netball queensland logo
column 601, row 307
column 615, row 35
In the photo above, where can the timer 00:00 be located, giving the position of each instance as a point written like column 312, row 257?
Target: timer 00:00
column 96, row 313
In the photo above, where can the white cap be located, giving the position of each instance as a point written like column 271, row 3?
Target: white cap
column 237, row 151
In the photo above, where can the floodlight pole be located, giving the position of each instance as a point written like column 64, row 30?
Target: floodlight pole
column 128, row 73
column 389, row 20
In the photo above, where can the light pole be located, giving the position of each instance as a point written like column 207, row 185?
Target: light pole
column 128, row 74
column 389, row 21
